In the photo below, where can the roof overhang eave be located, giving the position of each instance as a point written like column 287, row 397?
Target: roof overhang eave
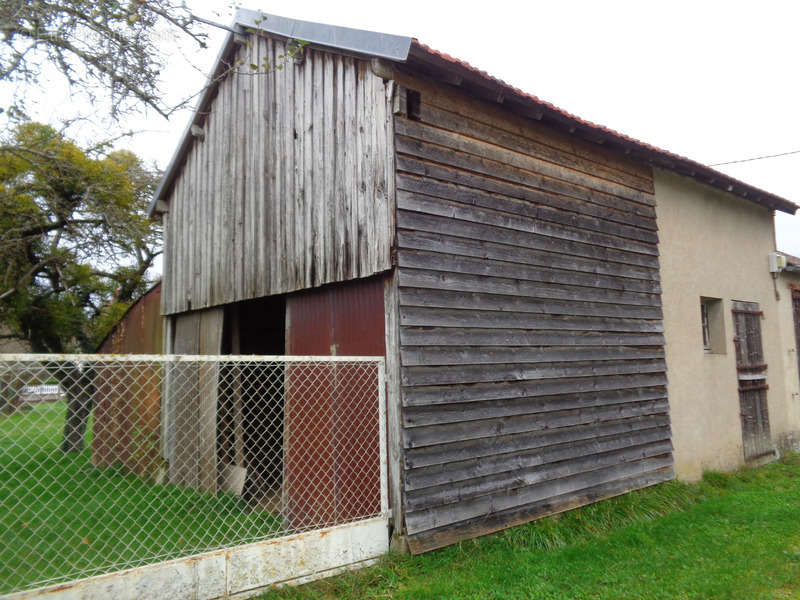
column 197, row 118
column 401, row 50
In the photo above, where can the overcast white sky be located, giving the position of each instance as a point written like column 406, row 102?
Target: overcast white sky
column 713, row 81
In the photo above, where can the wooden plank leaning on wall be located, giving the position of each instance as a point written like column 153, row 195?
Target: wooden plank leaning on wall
column 192, row 401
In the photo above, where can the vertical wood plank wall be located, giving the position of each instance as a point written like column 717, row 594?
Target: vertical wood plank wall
column 532, row 360
column 191, row 403
column 289, row 189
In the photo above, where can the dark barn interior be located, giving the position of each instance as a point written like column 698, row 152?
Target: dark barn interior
column 254, row 402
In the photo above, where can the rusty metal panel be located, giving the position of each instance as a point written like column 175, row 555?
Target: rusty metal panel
column 141, row 329
column 127, row 420
column 309, row 329
column 127, row 414
column 358, row 329
column 344, row 319
column 308, row 476
column 340, row 319
column 358, row 321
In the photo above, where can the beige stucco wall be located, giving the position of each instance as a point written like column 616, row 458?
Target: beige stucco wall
column 713, row 244
column 788, row 344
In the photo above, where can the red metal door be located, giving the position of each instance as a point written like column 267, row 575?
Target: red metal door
column 752, row 376
column 332, row 418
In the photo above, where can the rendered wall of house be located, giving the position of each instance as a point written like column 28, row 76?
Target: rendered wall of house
column 789, row 348
column 715, row 245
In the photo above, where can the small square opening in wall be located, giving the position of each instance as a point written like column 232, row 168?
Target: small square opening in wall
column 413, row 105
column 713, row 324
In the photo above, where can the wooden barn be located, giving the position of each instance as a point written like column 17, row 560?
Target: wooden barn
column 364, row 194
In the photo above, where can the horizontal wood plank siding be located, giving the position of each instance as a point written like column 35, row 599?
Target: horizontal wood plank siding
column 532, row 369
column 291, row 186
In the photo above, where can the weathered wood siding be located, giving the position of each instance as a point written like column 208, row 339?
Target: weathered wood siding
column 288, row 189
column 532, row 361
column 191, row 402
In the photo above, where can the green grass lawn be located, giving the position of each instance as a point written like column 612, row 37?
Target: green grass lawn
column 61, row 518
column 732, row 536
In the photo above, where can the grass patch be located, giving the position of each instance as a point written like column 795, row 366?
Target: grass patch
column 62, row 518
column 733, row 535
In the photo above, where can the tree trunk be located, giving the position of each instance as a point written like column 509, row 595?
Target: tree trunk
column 79, row 385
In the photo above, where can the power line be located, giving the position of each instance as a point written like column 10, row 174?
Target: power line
column 732, row 162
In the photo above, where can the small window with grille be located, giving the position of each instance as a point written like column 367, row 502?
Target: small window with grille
column 712, row 322
column 706, row 327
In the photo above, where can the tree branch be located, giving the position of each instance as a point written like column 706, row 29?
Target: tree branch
column 35, row 269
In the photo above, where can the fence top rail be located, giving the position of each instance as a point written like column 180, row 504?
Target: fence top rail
column 173, row 358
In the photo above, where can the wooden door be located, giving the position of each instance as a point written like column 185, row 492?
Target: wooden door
column 752, row 374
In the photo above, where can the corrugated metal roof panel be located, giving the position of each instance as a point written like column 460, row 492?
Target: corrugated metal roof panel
column 383, row 45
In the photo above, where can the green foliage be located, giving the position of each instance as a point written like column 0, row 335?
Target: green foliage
column 75, row 241
column 295, row 52
column 734, row 535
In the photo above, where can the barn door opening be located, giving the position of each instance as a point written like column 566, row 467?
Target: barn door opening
column 752, row 376
column 251, row 419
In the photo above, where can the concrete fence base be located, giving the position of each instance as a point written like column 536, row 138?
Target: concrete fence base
column 239, row 572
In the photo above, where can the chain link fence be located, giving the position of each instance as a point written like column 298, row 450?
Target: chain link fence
column 112, row 462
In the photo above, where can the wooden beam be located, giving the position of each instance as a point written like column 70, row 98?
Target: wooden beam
column 394, row 408
column 382, row 68
column 526, row 111
column 238, row 409
column 198, row 132
column 400, row 101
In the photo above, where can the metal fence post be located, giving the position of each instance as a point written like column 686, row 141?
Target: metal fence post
column 382, row 436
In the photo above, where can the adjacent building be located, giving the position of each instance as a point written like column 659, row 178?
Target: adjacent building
column 731, row 396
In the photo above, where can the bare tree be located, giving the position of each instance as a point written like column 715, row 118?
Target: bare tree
column 107, row 46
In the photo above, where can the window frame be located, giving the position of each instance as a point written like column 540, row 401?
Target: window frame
column 706, row 325
column 712, row 324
